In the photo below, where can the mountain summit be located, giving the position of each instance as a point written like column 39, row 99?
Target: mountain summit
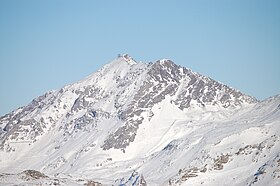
column 157, row 121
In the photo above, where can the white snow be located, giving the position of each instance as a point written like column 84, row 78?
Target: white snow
column 169, row 146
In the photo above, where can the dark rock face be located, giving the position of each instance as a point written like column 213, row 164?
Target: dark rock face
column 165, row 78
column 33, row 174
column 89, row 120
column 142, row 181
column 161, row 80
column 93, row 183
column 26, row 130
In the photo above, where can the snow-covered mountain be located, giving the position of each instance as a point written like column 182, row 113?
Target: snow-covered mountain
column 143, row 124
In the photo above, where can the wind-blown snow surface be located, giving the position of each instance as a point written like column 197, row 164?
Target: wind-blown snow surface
column 135, row 124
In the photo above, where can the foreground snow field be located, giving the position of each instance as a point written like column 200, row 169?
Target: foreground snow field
column 142, row 124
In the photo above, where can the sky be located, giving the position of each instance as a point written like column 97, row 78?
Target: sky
column 45, row 45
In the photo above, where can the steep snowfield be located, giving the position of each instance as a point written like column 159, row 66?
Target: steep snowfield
column 136, row 124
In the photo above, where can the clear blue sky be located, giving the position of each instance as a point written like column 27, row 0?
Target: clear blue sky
column 47, row 44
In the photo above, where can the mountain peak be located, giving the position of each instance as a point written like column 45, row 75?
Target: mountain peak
column 127, row 58
column 164, row 61
column 130, row 119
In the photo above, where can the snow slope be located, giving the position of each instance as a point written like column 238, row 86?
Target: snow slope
column 143, row 124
